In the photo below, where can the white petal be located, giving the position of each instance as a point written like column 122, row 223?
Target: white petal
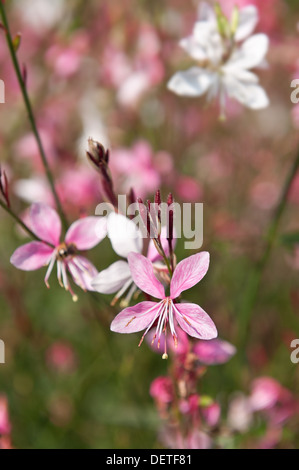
column 206, row 12
column 251, row 95
column 207, row 37
column 240, row 74
column 251, row 53
column 193, row 82
column 248, row 19
column 112, row 279
column 124, row 235
column 193, row 48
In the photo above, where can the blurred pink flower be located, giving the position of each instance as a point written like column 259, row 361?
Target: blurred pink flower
column 190, row 317
column 161, row 390
column 211, row 414
column 133, row 77
column 188, row 189
column 135, row 168
column 27, row 148
column 173, row 438
column 265, row 393
column 5, row 425
column 270, row 397
column 214, row 352
column 61, row 357
column 82, row 235
column 77, row 187
column 190, row 405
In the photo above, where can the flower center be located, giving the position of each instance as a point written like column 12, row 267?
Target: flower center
column 164, row 317
column 64, row 251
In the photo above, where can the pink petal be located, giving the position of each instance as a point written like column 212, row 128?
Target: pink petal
column 31, row 256
column 212, row 413
column 195, row 321
column 143, row 275
column 87, row 232
column 213, row 352
column 265, row 393
column 45, row 223
column 136, row 318
column 189, row 272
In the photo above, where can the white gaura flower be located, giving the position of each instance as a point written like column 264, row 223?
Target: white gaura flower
column 125, row 238
column 225, row 53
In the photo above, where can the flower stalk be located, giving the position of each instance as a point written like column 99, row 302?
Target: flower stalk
column 21, row 76
column 255, row 278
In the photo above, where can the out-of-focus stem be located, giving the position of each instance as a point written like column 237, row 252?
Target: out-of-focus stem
column 253, row 283
column 30, row 112
column 21, row 223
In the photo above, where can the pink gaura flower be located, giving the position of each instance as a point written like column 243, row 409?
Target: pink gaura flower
column 214, row 352
column 5, row 425
column 82, row 235
column 125, row 238
column 162, row 390
column 190, row 317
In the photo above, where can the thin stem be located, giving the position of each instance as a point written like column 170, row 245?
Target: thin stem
column 30, row 112
column 253, row 284
column 272, row 232
column 21, row 223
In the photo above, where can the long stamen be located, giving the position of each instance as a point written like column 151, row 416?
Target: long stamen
column 161, row 305
column 125, row 302
column 66, row 283
column 49, row 270
column 59, row 273
column 171, row 325
column 160, row 322
column 121, row 292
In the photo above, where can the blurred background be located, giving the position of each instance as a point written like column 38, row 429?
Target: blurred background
column 99, row 69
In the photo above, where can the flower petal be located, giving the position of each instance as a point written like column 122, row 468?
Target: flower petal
column 248, row 19
column 143, row 275
column 87, row 232
column 45, row 223
column 124, row 235
column 192, row 82
column 195, row 321
column 136, row 318
column 112, row 279
column 252, row 52
column 189, row 272
column 31, row 256
column 251, row 95
column 213, row 352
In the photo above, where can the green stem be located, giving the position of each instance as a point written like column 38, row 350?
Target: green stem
column 21, row 223
column 30, row 112
column 253, row 284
